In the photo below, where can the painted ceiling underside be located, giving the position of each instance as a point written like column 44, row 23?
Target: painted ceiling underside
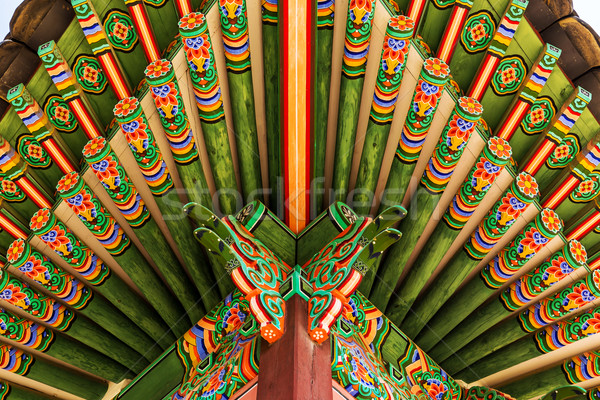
column 479, row 117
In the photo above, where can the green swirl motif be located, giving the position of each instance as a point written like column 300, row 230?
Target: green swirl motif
column 107, row 167
column 10, row 191
column 234, row 26
column 478, row 32
column 60, row 115
column 442, row 4
column 358, row 33
column 25, row 332
column 120, row 31
column 565, row 152
column 508, row 76
column 32, row 152
column 89, row 74
column 587, row 190
column 539, row 115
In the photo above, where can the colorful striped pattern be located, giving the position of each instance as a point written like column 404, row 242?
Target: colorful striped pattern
column 396, row 45
column 167, row 99
column 451, row 144
column 234, row 27
column 139, row 136
column 534, row 84
column 33, row 265
column 358, row 35
column 37, row 123
column 568, row 116
column 569, row 331
column 107, row 167
column 568, row 300
column 513, row 203
column 84, row 203
column 553, row 270
column 34, row 303
column 63, row 242
column 95, row 36
column 201, row 61
column 497, row 47
column 25, row 332
column 426, row 98
column 492, row 160
column 532, row 239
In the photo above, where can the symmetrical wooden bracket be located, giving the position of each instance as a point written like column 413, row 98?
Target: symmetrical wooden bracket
column 326, row 281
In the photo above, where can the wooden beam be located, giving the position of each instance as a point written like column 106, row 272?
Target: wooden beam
column 295, row 367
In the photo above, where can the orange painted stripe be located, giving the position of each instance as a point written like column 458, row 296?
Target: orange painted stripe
column 33, row 193
column 58, row 156
column 514, row 119
column 84, row 119
column 415, row 10
column 184, row 7
column 115, row 77
column 297, row 106
column 562, row 192
column 141, row 21
column 451, row 34
column 11, row 228
column 539, row 158
column 483, row 78
column 585, row 227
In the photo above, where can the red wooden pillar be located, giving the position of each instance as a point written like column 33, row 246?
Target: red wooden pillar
column 295, row 367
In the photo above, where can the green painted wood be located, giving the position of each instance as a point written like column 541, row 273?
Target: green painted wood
column 205, row 81
column 536, row 384
column 356, row 45
column 14, row 392
column 163, row 20
column 437, row 174
column 490, row 350
column 44, row 225
column 270, row 44
column 495, row 224
column 126, row 197
column 158, row 379
column 199, row 215
column 100, row 223
column 396, row 46
column 64, row 286
column 234, row 28
column 495, row 274
column 322, row 78
column 52, row 375
column 269, row 229
column 433, row 23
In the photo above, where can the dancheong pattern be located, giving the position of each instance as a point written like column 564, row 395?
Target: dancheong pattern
column 565, row 152
column 508, row 76
column 478, row 32
column 568, row 331
column 89, row 74
column 60, row 115
column 539, row 115
column 63, row 242
column 120, row 30
column 32, row 152
column 220, row 352
column 358, row 34
column 588, row 189
column 234, row 25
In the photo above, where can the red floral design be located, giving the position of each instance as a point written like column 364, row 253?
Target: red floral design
column 556, row 269
column 15, row 250
column 126, row 106
column 508, row 76
column 94, row 146
column 551, row 220
column 561, row 152
column 578, row 251
column 67, row 182
column 120, row 30
column 8, row 186
column 59, row 242
column 39, row 219
column 35, row 151
column 478, row 32
column 14, row 296
column 34, row 269
column 500, row 147
column 191, row 21
column 109, row 171
column 168, row 100
column 402, row 23
column 437, row 67
column 158, row 68
column 90, row 74
column 471, row 105
column 527, row 184
column 61, row 113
